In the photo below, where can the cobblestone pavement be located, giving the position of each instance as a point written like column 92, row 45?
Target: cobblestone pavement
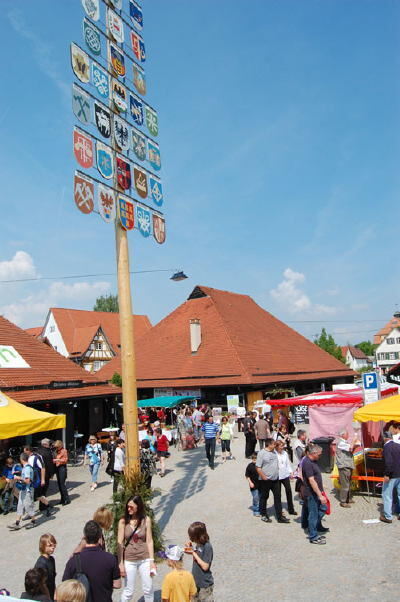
column 253, row 560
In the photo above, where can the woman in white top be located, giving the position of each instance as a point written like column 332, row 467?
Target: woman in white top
column 285, row 473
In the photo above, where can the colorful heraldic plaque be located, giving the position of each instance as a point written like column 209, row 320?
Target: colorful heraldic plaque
column 121, row 133
column 154, row 155
column 138, row 47
column 80, row 63
column 136, row 108
column 159, row 228
column 152, row 121
column 143, row 221
column 126, row 212
column 123, row 173
column 136, row 15
column 102, row 118
column 156, row 190
column 119, row 96
column 139, row 79
column 91, row 37
column 83, row 149
column 117, row 4
column 139, row 145
column 83, row 193
column 117, row 60
column 104, row 157
column 115, row 26
column 140, row 180
column 81, row 104
column 106, row 203
column 92, row 9
column 100, row 80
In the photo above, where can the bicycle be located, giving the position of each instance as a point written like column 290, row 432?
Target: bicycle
column 75, row 456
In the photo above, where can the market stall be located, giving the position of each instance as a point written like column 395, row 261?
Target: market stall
column 17, row 419
column 170, row 401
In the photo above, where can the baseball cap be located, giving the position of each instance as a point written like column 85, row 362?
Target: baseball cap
column 174, row 553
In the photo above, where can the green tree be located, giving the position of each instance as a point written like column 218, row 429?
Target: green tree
column 367, row 347
column 116, row 379
column 327, row 343
column 107, row 303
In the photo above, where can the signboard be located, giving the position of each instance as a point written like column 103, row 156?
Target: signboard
column 233, row 403
column 10, row 358
column 301, row 415
column 168, row 392
column 371, row 387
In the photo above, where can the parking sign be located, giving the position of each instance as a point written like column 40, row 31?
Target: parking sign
column 371, row 387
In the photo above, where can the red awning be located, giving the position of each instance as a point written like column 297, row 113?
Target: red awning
column 354, row 395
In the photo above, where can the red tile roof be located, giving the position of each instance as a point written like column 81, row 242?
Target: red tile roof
column 32, row 395
column 241, row 344
column 78, row 327
column 383, row 332
column 36, row 331
column 355, row 352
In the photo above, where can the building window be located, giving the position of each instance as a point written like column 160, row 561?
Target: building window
column 52, row 328
column 390, row 341
column 391, row 356
column 96, row 366
column 386, row 356
column 99, row 346
column 396, row 355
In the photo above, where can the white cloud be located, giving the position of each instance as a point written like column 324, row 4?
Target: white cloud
column 20, row 266
column 290, row 296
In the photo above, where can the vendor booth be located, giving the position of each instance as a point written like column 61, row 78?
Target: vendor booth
column 17, row 419
column 170, row 401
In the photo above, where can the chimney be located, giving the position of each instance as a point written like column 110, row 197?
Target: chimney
column 195, row 335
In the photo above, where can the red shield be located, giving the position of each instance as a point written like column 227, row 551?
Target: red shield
column 123, row 173
column 158, row 228
column 83, row 149
column 135, row 45
column 84, row 193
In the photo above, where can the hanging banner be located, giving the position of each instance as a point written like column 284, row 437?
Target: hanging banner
column 83, row 149
column 106, row 203
column 115, row 26
column 139, row 145
column 123, row 173
column 91, row 37
column 92, row 9
column 80, row 63
column 102, row 118
column 159, row 229
column 156, row 190
column 154, row 155
column 140, row 180
column 101, row 81
column 117, row 60
column 121, row 133
column 136, row 15
column 81, row 104
column 143, row 220
column 136, row 109
column 84, row 193
column 139, row 79
column 126, row 212
column 151, row 121
column 104, row 158
column 119, row 96
column 138, row 47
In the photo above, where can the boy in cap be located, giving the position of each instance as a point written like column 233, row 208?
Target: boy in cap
column 178, row 585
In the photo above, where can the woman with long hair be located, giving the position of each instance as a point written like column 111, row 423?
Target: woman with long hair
column 135, row 549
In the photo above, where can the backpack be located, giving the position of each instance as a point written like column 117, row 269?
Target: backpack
column 82, row 577
column 37, row 477
column 291, row 427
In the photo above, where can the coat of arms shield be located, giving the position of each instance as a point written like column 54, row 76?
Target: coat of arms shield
column 152, row 121
column 126, row 212
column 83, row 193
column 159, row 228
column 135, row 44
column 123, row 173
column 83, row 149
column 91, row 37
column 92, row 9
column 139, row 145
column 115, row 26
column 100, row 80
column 143, row 220
column 106, row 203
column 81, row 104
column 102, row 119
column 139, row 80
column 117, row 60
column 153, row 154
column 117, row 4
column 119, row 96
column 136, row 109
column 104, row 159
column 156, row 191
column 80, row 63
column 121, row 133
column 136, row 15
column 140, row 179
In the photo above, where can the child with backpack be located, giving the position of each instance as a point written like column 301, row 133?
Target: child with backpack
column 24, row 483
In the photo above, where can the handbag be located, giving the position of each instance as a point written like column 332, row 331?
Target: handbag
column 327, row 503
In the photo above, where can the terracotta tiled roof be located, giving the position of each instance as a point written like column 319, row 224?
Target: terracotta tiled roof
column 33, row 395
column 36, row 331
column 78, row 327
column 356, row 353
column 46, row 365
column 241, row 343
column 383, row 332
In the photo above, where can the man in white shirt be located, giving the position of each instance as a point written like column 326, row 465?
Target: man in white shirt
column 119, row 463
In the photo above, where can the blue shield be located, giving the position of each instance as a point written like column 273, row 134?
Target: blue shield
column 81, row 104
column 100, row 80
column 136, row 15
column 156, row 191
column 154, row 156
column 136, row 110
column 142, row 51
column 104, row 160
column 143, row 217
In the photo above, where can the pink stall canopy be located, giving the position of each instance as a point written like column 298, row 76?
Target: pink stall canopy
column 348, row 396
column 329, row 420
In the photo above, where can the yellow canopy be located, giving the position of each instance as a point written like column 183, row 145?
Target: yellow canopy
column 385, row 409
column 17, row 419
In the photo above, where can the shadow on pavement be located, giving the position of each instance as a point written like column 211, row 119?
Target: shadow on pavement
column 157, row 596
column 192, row 481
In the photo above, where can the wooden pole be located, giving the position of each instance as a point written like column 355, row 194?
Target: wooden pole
column 129, row 392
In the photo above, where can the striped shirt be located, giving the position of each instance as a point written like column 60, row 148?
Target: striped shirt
column 210, row 430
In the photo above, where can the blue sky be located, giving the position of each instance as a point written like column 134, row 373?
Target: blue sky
column 279, row 137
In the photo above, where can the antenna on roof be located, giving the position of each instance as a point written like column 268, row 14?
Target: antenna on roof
column 397, row 312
